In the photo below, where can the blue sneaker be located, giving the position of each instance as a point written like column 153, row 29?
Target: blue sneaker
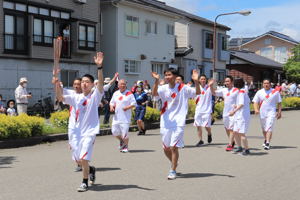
column 172, row 175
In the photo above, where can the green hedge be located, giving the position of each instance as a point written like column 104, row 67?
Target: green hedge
column 291, row 102
column 22, row 126
column 60, row 119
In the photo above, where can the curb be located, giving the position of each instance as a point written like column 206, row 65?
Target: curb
column 8, row 144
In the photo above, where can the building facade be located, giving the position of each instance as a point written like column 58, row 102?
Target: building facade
column 27, row 30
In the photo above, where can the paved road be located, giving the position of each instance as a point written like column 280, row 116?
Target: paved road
column 46, row 171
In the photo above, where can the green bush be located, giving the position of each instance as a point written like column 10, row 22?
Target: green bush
column 152, row 115
column 22, row 126
column 60, row 119
column 291, row 102
column 192, row 108
column 219, row 110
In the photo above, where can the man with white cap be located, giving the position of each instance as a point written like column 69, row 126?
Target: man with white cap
column 22, row 96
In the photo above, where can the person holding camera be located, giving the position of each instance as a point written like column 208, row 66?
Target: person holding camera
column 22, row 96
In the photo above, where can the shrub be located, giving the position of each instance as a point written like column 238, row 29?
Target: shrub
column 60, row 119
column 219, row 110
column 192, row 108
column 23, row 126
column 152, row 115
column 291, row 102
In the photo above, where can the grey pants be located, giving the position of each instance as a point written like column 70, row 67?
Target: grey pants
column 22, row 108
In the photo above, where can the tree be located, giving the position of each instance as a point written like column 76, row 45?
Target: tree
column 292, row 67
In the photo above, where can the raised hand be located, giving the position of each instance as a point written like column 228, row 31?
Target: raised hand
column 195, row 75
column 211, row 82
column 155, row 75
column 99, row 59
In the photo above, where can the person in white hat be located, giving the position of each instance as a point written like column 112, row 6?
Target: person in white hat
column 22, row 96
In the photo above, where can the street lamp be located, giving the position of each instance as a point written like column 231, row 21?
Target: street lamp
column 244, row 13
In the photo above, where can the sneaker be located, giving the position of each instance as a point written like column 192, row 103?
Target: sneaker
column 209, row 139
column 264, row 144
column 144, row 131
column 238, row 150
column 199, row 143
column 92, row 175
column 121, row 146
column 172, row 175
column 229, row 148
column 82, row 188
column 78, row 169
column 140, row 133
column 246, row 152
column 125, row 150
column 267, row 146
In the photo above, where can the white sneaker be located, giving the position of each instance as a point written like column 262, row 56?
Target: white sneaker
column 172, row 175
column 125, row 150
column 82, row 188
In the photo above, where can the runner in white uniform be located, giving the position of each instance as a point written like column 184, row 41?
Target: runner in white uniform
column 265, row 102
column 174, row 99
column 204, row 109
column 229, row 95
column 72, row 136
column 121, row 103
column 241, row 115
column 86, row 119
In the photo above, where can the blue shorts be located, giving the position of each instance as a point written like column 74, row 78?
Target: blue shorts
column 140, row 112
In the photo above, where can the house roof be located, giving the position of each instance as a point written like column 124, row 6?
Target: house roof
column 255, row 59
column 236, row 42
column 163, row 6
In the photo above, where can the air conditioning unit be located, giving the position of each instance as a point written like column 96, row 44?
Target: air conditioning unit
column 80, row 1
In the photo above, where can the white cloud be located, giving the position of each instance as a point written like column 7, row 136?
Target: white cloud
column 283, row 19
column 192, row 6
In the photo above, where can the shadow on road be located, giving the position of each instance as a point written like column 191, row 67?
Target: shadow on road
column 257, row 153
column 205, row 145
column 104, row 169
column 283, row 147
column 6, row 160
column 99, row 187
column 141, row 151
column 201, row 175
column 151, row 134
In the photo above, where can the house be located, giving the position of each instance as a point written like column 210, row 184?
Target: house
column 273, row 45
column 137, row 37
column 253, row 67
column 194, row 46
column 27, row 30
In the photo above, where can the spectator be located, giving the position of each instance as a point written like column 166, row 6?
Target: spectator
column 252, row 90
column 2, row 108
column 298, row 91
column 22, row 96
column 11, row 111
column 179, row 79
column 284, row 88
column 134, row 87
column 148, row 91
column 140, row 110
column 292, row 89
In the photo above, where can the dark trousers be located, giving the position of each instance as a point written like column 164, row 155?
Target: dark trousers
column 106, row 113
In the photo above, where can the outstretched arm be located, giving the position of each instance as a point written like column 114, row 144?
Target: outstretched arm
column 99, row 61
column 211, row 86
column 195, row 77
column 155, row 86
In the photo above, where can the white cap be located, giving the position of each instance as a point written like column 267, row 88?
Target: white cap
column 23, row 79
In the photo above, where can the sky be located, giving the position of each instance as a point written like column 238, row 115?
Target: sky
column 278, row 15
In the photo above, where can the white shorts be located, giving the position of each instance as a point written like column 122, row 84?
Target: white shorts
column 120, row 130
column 203, row 120
column 172, row 137
column 228, row 122
column 241, row 125
column 267, row 123
column 82, row 147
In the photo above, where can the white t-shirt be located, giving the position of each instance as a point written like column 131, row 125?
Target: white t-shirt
column 72, row 121
column 86, row 112
column 174, row 104
column 243, row 99
column 204, row 101
column 229, row 97
column 268, row 101
column 119, row 101
column 11, row 112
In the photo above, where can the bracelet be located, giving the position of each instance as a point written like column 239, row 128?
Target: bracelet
column 99, row 68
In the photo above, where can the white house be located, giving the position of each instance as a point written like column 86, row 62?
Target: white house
column 137, row 37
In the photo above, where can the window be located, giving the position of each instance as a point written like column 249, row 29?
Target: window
column 170, row 29
column 132, row 26
column 21, row 7
column 158, row 68
column 15, row 39
column 42, row 31
column 65, row 15
column 224, row 42
column 55, row 13
column 268, row 41
column 68, row 77
column 221, row 76
column 87, row 37
column 44, row 11
column 151, row 27
column 33, row 9
column 209, row 40
column 132, row 66
column 281, row 54
column 267, row 52
column 8, row 5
